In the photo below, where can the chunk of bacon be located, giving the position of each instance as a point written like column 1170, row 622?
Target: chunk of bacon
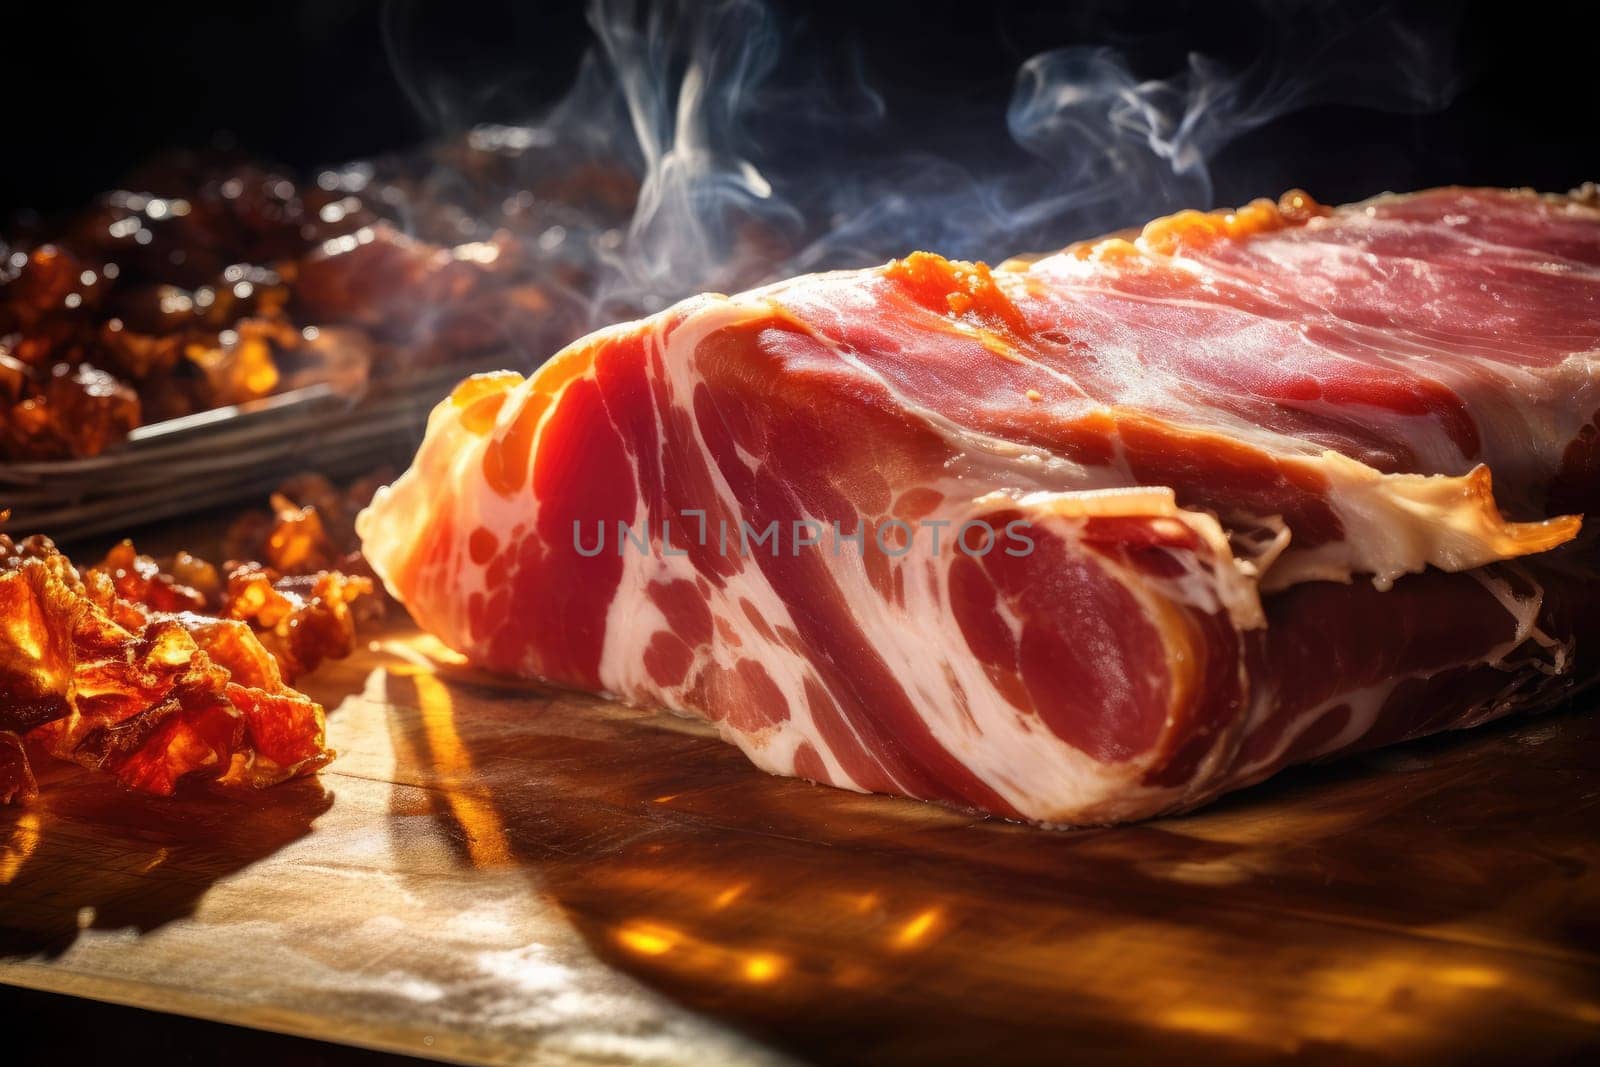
column 156, row 670
column 149, row 696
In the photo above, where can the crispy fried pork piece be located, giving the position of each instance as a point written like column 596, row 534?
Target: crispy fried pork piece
column 298, row 541
column 304, row 619
column 307, row 597
column 242, row 365
column 39, row 285
column 76, row 410
column 383, row 280
column 183, row 583
column 178, row 299
column 311, row 527
column 150, row 697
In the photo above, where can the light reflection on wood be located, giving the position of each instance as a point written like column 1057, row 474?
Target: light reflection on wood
column 916, row 928
column 473, row 810
column 19, row 846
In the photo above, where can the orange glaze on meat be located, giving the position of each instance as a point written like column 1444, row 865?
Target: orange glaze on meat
column 1186, row 230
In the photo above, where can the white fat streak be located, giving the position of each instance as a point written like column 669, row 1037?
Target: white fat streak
column 1396, row 524
column 1365, row 704
column 1019, row 758
column 1526, row 419
column 1041, row 776
column 1525, row 612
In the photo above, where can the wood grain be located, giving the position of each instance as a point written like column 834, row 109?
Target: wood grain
column 497, row 873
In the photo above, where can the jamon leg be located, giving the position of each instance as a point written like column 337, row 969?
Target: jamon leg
column 1085, row 542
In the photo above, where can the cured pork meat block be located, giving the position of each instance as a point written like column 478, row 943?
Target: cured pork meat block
column 1077, row 540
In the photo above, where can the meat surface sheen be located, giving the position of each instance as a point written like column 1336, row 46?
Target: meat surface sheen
column 1079, row 539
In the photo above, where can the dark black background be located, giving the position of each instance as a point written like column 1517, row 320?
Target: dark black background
column 91, row 92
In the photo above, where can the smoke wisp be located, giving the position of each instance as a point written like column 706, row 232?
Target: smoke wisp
column 758, row 152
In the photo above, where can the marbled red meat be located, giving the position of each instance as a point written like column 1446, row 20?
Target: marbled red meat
column 1247, row 489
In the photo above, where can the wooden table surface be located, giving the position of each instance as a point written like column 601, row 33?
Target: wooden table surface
column 493, row 872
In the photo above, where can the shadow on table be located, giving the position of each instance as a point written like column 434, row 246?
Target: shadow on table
column 89, row 855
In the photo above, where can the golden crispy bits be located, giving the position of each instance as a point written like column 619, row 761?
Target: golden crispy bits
column 38, row 616
column 185, row 584
column 303, row 602
column 312, row 526
column 240, row 365
column 35, row 652
column 303, row 619
column 94, row 670
column 312, row 587
column 285, row 731
column 297, row 541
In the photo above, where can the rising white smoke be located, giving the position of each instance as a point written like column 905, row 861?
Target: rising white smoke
column 759, row 153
